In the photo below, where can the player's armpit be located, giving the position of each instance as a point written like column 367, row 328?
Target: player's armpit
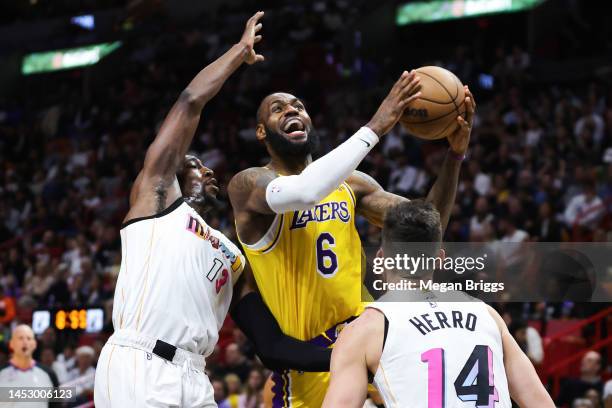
column 372, row 200
column 247, row 190
column 523, row 382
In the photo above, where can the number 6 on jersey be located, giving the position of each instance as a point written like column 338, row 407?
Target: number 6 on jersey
column 327, row 261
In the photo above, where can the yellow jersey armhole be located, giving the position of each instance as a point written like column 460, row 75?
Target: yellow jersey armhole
column 351, row 193
column 270, row 238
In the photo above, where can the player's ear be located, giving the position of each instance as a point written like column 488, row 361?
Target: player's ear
column 379, row 253
column 260, row 132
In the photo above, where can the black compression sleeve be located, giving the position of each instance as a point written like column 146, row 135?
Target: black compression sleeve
column 276, row 350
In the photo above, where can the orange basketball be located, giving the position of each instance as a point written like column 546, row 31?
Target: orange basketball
column 434, row 114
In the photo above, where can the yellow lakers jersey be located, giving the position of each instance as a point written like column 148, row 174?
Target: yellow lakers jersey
column 308, row 266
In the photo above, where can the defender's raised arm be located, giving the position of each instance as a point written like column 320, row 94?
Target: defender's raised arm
column 156, row 185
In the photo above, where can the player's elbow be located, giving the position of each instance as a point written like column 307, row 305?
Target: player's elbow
column 290, row 194
column 190, row 100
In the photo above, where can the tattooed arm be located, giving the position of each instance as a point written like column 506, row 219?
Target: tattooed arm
column 373, row 201
column 156, row 186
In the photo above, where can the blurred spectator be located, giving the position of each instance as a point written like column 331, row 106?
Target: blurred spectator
column 220, row 392
column 7, row 308
column 22, row 370
column 528, row 339
column 480, row 223
column 585, row 210
column 405, row 179
column 607, row 394
column 546, row 227
column 590, row 377
column 234, row 388
column 582, row 403
column 251, row 398
column 592, row 121
column 48, row 358
column 594, row 396
column 67, row 357
column 82, row 376
column 508, row 227
column 236, row 362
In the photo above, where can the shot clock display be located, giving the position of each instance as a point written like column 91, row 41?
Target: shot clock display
column 88, row 320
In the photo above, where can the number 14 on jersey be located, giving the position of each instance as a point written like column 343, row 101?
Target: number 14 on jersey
column 474, row 382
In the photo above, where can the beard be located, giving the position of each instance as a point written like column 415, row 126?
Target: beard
column 202, row 203
column 285, row 147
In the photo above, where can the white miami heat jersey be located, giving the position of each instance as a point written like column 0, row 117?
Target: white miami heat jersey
column 176, row 278
column 441, row 355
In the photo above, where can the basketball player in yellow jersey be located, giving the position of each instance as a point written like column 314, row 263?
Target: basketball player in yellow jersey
column 295, row 219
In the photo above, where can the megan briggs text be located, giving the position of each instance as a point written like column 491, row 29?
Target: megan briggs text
column 425, row 284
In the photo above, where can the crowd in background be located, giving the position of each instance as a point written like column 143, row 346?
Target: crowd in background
column 539, row 166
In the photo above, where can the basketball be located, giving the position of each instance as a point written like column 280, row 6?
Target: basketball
column 434, row 114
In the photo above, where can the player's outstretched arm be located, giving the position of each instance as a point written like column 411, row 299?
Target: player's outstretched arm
column 156, row 186
column 442, row 193
column 276, row 350
column 358, row 348
column 373, row 201
column 523, row 381
column 259, row 190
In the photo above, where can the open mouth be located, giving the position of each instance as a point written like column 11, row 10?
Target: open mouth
column 294, row 128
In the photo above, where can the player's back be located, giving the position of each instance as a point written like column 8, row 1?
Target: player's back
column 176, row 278
column 441, row 355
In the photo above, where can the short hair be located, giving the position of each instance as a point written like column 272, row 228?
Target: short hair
column 412, row 221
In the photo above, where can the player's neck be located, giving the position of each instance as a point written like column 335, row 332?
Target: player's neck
column 22, row 362
column 289, row 165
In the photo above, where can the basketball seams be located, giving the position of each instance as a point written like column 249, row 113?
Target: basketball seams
column 444, row 87
column 443, row 131
column 436, row 102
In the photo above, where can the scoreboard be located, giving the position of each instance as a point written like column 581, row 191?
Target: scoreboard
column 75, row 319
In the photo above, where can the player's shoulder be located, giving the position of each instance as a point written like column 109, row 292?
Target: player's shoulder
column 369, row 322
column 246, row 179
column 251, row 175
